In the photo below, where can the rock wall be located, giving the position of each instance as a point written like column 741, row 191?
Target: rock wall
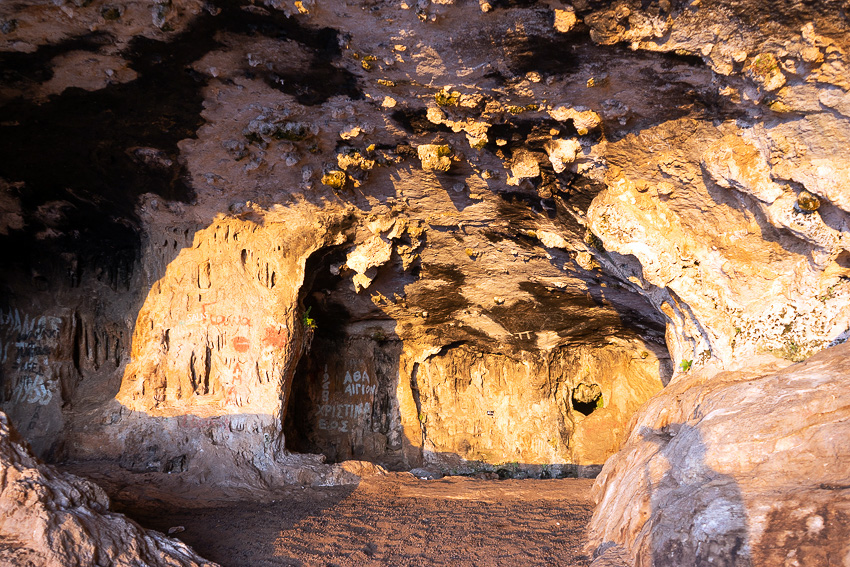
column 568, row 405
column 463, row 410
column 692, row 485
column 345, row 404
column 218, row 338
column 214, row 213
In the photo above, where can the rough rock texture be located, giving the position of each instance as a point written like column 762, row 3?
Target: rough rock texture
column 464, row 406
column 469, row 235
column 48, row 518
column 693, row 486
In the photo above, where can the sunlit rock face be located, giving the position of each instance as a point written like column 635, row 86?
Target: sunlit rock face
column 459, row 406
column 465, row 235
column 692, row 485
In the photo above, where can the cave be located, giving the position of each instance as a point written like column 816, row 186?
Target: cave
column 371, row 269
column 340, row 401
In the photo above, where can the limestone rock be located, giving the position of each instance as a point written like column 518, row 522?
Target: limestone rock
column 552, row 240
column 366, row 258
column 523, row 166
column 693, row 485
column 373, row 253
column 54, row 519
column 764, row 69
column 565, row 19
column 352, row 233
column 488, row 400
column 562, row 152
column 584, row 120
column 734, row 163
column 435, row 156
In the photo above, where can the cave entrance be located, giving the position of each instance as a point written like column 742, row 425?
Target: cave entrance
column 343, row 391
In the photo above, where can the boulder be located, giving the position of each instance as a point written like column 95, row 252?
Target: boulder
column 742, row 468
column 55, row 519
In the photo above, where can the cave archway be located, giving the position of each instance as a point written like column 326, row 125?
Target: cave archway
column 342, row 403
column 477, row 406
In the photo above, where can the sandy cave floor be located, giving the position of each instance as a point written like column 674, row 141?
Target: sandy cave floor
column 389, row 520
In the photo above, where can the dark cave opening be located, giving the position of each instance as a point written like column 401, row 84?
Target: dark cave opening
column 300, row 426
column 587, row 398
column 341, row 401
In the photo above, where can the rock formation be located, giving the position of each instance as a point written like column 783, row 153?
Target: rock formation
column 693, row 486
column 48, row 518
column 445, row 233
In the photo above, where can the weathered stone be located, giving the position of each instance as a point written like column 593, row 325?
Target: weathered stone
column 565, row 19
column 523, row 166
column 586, row 218
column 435, row 156
column 562, row 152
column 584, row 120
column 40, row 507
column 375, row 252
column 807, row 202
column 734, row 163
column 704, row 480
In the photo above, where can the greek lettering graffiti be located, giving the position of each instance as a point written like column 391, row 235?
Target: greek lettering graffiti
column 217, row 319
column 339, row 411
column 33, row 340
column 346, row 405
column 358, row 384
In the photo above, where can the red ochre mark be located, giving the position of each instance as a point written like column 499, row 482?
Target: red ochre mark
column 241, row 344
column 276, row 337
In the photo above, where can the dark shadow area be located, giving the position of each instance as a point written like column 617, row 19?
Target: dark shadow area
column 415, row 121
column 586, row 398
column 698, row 516
column 18, row 68
column 341, row 403
column 97, row 152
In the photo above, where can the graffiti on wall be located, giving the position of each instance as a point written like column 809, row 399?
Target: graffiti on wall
column 26, row 344
column 350, row 404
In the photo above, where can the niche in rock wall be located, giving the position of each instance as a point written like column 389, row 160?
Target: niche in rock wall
column 343, row 401
column 586, row 398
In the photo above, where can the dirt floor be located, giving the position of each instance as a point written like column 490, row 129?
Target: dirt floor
column 395, row 520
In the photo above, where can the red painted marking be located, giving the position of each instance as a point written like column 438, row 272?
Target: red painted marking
column 204, row 308
column 276, row 337
column 231, row 396
column 241, row 344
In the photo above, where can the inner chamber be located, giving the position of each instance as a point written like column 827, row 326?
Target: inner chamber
column 474, row 404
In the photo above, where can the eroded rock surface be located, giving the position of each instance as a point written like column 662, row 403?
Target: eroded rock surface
column 693, row 485
column 463, row 235
column 50, row 518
